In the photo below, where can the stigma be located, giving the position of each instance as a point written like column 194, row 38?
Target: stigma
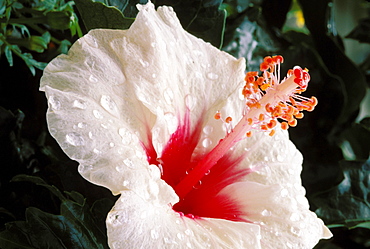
column 269, row 103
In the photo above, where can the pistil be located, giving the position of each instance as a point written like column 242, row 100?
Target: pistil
column 266, row 101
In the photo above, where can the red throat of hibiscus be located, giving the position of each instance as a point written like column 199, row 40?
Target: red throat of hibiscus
column 198, row 179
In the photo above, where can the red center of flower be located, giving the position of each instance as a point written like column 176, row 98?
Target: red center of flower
column 198, row 178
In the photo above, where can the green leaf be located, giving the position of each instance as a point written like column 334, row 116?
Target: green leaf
column 348, row 203
column 355, row 142
column 97, row 15
column 362, row 31
column 202, row 18
column 72, row 229
column 8, row 55
column 38, row 181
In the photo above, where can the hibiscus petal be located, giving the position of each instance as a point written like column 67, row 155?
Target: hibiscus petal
column 138, row 223
column 179, row 73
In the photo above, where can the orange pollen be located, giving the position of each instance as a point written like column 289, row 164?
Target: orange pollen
column 299, row 115
column 272, row 123
column 228, row 120
column 217, row 116
column 272, row 132
column 250, row 121
column 261, row 117
column 249, row 134
column 284, row 126
column 293, row 122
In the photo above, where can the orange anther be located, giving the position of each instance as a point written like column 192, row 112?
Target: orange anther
column 250, row 121
column 290, row 110
column 268, row 60
column 264, row 127
column 299, row 115
column 217, row 115
column 272, row 123
column 269, row 108
column 264, row 66
column 293, row 122
column 284, row 126
column 265, row 86
column 313, row 101
column 272, row 132
column 228, row 119
column 260, row 80
column 310, row 108
column 278, row 59
column 249, row 134
column 287, row 117
column 261, row 117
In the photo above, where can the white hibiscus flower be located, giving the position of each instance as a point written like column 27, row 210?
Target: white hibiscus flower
column 142, row 110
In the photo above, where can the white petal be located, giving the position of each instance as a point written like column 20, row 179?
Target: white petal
column 138, row 223
column 177, row 71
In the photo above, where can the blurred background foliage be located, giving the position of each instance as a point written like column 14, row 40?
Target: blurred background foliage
column 44, row 203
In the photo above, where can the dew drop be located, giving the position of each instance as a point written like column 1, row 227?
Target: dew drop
column 171, row 121
column 91, row 135
column 154, row 234
column 75, row 139
column 54, row 103
column 208, row 129
column 125, row 183
column 197, row 186
column 108, row 104
column 153, row 44
column 189, row 232
column 81, row 125
column 190, row 101
column 104, row 126
column 284, row 193
column 296, row 231
column 154, row 75
column 266, row 212
column 206, row 142
column 294, row 217
column 180, row 236
column 97, row 114
column 207, row 173
column 128, row 162
column 93, row 79
column 144, row 63
column 111, row 145
column 212, row 76
column 168, row 96
column 79, row 104
column 96, row 151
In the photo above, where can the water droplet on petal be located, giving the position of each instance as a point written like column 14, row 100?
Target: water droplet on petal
column 208, row 129
column 54, row 103
column 81, row 125
column 294, row 217
column 75, row 139
column 153, row 44
column 108, row 104
column 91, row 135
column 212, row 76
column 97, row 114
column 171, row 121
column 154, row 75
column 266, row 212
column 125, row 183
column 154, row 234
column 128, row 162
column 296, row 231
column 197, row 186
column 79, row 104
column 180, row 236
column 96, row 151
column 284, row 192
column 190, row 101
column 111, row 145
column 93, row 79
column 144, row 63
column 206, row 142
